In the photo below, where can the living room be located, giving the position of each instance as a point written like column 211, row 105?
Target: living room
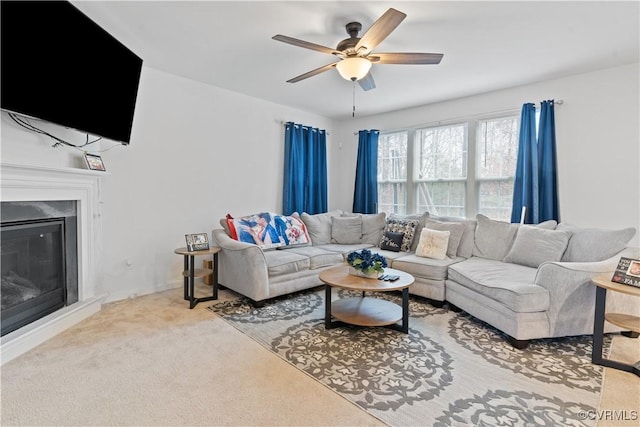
column 199, row 152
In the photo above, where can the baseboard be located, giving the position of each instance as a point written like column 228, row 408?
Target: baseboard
column 134, row 293
column 24, row 339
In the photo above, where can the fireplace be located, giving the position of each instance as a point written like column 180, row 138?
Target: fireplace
column 69, row 200
column 39, row 266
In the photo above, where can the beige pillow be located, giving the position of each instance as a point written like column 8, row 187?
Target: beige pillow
column 456, row 229
column 433, row 244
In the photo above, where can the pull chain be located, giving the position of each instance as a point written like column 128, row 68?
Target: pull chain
column 353, row 113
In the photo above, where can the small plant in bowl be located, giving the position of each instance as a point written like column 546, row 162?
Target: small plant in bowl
column 366, row 263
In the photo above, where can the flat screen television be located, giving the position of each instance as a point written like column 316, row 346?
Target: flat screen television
column 60, row 66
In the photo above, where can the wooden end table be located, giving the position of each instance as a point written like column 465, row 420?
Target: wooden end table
column 366, row 311
column 190, row 273
column 626, row 321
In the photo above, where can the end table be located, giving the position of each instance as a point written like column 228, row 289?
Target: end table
column 190, row 273
column 626, row 321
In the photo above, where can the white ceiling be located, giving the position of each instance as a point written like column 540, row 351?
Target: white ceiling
column 487, row 45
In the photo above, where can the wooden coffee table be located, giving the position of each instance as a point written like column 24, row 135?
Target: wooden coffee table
column 366, row 311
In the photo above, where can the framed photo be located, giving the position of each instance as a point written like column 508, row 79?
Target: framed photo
column 627, row 272
column 197, row 242
column 634, row 269
column 94, row 162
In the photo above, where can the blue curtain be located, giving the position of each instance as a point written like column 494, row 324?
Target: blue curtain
column 305, row 170
column 525, row 191
column 365, row 195
column 548, row 196
column 535, row 184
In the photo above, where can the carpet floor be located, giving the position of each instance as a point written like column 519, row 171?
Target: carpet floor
column 151, row 361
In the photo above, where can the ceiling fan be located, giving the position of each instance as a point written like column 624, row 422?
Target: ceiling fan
column 355, row 53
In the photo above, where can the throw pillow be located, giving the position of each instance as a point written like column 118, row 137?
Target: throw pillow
column 259, row 229
column 292, row 230
column 418, row 217
column 406, row 227
column 433, row 244
column 534, row 245
column 493, row 238
column 346, row 230
column 455, row 228
column 594, row 244
column 319, row 226
column 373, row 227
column 391, row 241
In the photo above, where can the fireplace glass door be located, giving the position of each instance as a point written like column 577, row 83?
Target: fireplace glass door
column 33, row 271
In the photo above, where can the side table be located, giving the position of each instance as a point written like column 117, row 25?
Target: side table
column 626, row 321
column 190, row 273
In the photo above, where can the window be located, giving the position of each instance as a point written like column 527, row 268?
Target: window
column 496, row 168
column 440, row 183
column 392, row 173
column 428, row 169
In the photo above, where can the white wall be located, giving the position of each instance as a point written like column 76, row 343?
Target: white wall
column 597, row 132
column 197, row 153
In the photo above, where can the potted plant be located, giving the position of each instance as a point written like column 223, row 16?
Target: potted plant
column 366, row 264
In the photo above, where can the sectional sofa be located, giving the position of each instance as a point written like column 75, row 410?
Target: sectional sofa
column 527, row 281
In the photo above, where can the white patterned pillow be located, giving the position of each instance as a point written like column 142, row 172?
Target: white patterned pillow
column 433, row 244
column 406, row 227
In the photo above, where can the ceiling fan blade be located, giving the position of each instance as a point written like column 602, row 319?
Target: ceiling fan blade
column 380, row 30
column 306, row 45
column 406, row 58
column 313, row 72
column 367, row 82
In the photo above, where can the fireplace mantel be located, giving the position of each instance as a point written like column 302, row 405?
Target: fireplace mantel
column 37, row 183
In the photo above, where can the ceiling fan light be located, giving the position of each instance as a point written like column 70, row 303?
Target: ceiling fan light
column 354, row 68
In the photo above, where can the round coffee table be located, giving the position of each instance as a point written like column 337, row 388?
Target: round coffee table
column 366, row 311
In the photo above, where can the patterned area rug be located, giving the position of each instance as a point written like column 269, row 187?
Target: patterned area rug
column 450, row 370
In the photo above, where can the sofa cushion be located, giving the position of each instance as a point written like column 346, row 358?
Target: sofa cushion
column 594, row 244
column 533, row 246
column 455, row 229
column 318, row 257
column 467, row 241
column 373, row 227
column 391, row 241
column 493, row 238
column 346, row 230
column 428, row 268
column 285, row 262
column 509, row 284
column 319, row 226
column 398, row 224
column 433, row 244
column 344, row 249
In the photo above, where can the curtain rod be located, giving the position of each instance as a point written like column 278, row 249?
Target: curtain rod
column 455, row 119
column 283, row 122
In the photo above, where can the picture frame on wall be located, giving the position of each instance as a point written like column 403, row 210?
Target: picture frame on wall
column 197, row 242
column 94, row 162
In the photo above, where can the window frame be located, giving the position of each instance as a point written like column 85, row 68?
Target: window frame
column 472, row 180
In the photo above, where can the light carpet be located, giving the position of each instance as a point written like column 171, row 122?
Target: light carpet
column 450, row 370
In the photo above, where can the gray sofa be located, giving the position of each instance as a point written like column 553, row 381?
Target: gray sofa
column 527, row 281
